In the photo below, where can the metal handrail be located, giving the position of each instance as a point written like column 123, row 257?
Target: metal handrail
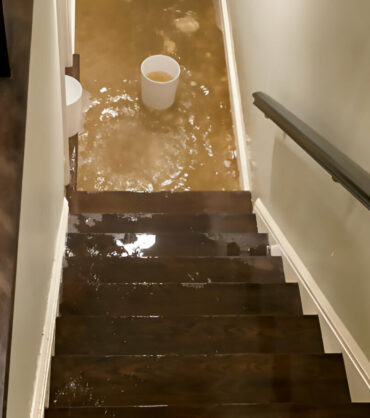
column 343, row 170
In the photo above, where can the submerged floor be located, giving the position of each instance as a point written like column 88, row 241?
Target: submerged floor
column 125, row 146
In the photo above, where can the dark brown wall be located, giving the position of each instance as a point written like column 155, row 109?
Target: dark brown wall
column 13, row 107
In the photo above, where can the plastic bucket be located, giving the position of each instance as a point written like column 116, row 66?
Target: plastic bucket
column 156, row 94
column 74, row 106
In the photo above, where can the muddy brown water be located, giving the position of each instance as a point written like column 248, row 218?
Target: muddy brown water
column 125, row 146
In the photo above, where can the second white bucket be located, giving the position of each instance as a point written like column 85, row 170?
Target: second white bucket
column 156, row 94
column 74, row 105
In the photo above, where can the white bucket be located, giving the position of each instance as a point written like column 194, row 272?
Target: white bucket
column 155, row 94
column 74, row 105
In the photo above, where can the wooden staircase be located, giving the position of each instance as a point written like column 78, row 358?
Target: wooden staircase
column 172, row 307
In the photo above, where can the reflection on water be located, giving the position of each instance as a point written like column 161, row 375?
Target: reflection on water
column 125, row 146
column 142, row 242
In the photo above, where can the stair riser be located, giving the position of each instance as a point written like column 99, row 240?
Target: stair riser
column 248, row 411
column 261, row 378
column 151, row 245
column 187, row 335
column 152, row 223
column 177, row 299
column 201, row 270
column 162, row 202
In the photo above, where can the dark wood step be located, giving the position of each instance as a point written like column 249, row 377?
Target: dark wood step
column 180, row 299
column 156, row 223
column 222, row 411
column 160, row 202
column 171, row 380
column 254, row 269
column 166, row 244
column 187, row 335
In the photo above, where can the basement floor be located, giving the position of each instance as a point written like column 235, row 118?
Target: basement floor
column 125, row 146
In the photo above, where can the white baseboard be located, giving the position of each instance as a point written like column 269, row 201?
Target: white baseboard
column 336, row 337
column 235, row 99
column 40, row 398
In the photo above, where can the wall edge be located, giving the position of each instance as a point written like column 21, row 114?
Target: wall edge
column 235, row 98
column 41, row 383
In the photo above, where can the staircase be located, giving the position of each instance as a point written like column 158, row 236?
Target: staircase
column 172, row 307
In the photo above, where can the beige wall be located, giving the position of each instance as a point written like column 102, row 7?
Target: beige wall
column 42, row 200
column 313, row 56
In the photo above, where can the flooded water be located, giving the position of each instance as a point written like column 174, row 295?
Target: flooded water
column 125, row 146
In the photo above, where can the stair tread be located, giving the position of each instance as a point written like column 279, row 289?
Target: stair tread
column 161, row 202
column 114, row 223
column 80, row 335
column 166, row 243
column 253, row 269
column 95, row 298
column 171, row 380
column 222, row 411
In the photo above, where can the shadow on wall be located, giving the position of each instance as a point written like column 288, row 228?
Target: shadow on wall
column 307, row 182
column 300, row 188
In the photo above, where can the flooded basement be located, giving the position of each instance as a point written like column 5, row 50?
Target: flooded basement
column 125, row 146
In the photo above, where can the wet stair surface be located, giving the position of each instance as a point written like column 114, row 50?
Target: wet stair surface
column 172, row 307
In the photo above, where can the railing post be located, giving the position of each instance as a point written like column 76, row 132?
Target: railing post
column 4, row 56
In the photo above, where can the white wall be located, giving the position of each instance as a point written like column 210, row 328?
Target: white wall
column 41, row 207
column 313, row 56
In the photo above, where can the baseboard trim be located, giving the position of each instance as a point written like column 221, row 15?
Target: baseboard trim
column 336, row 336
column 235, row 99
column 40, row 398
